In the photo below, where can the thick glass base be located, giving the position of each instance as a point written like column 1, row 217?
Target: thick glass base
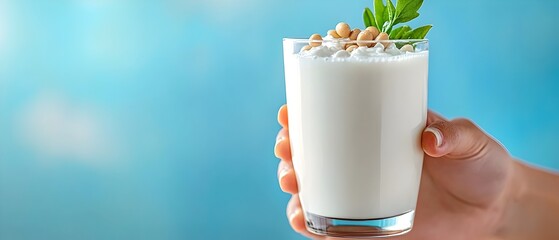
column 360, row 228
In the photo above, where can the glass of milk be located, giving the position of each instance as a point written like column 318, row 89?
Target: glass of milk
column 355, row 124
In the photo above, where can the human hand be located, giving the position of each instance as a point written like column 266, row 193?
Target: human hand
column 466, row 184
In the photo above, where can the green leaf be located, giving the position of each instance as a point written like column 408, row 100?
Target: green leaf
column 391, row 10
column 380, row 11
column 398, row 33
column 406, row 35
column 406, row 10
column 420, row 32
column 385, row 15
column 368, row 18
column 395, row 32
column 391, row 16
column 407, row 18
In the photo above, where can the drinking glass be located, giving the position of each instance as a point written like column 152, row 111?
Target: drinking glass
column 355, row 127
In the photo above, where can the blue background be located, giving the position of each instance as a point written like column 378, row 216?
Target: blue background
column 157, row 119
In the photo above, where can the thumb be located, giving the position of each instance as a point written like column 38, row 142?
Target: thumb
column 456, row 139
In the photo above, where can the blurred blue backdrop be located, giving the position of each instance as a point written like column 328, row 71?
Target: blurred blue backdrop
column 156, row 119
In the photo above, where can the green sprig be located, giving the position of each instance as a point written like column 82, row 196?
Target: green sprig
column 386, row 16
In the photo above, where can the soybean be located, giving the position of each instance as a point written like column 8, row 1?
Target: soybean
column 334, row 34
column 315, row 40
column 353, row 35
column 374, row 31
column 343, row 29
column 383, row 37
column 364, row 36
column 351, row 48
column 407, row 48
column 307, row 48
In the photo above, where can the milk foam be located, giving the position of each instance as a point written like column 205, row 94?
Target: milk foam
column 333, row 51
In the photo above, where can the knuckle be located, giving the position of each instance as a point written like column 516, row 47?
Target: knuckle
column 467, row 124
column 444, row 126
column 463, row 121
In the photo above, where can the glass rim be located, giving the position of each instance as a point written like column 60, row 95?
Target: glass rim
column 338, row 40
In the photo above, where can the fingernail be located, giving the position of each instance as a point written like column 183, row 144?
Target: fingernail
column 438, row 135
column 283, row 172
column 279, row 139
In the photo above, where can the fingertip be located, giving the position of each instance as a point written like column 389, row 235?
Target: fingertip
column 282, row 150
column 288, row 180
column 297, row 220
column 282, row 116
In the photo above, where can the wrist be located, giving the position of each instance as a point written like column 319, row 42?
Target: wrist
column 531, row 204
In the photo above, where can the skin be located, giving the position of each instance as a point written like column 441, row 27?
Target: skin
column 471, row 188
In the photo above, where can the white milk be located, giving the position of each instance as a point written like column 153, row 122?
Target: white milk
column 355, row 125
